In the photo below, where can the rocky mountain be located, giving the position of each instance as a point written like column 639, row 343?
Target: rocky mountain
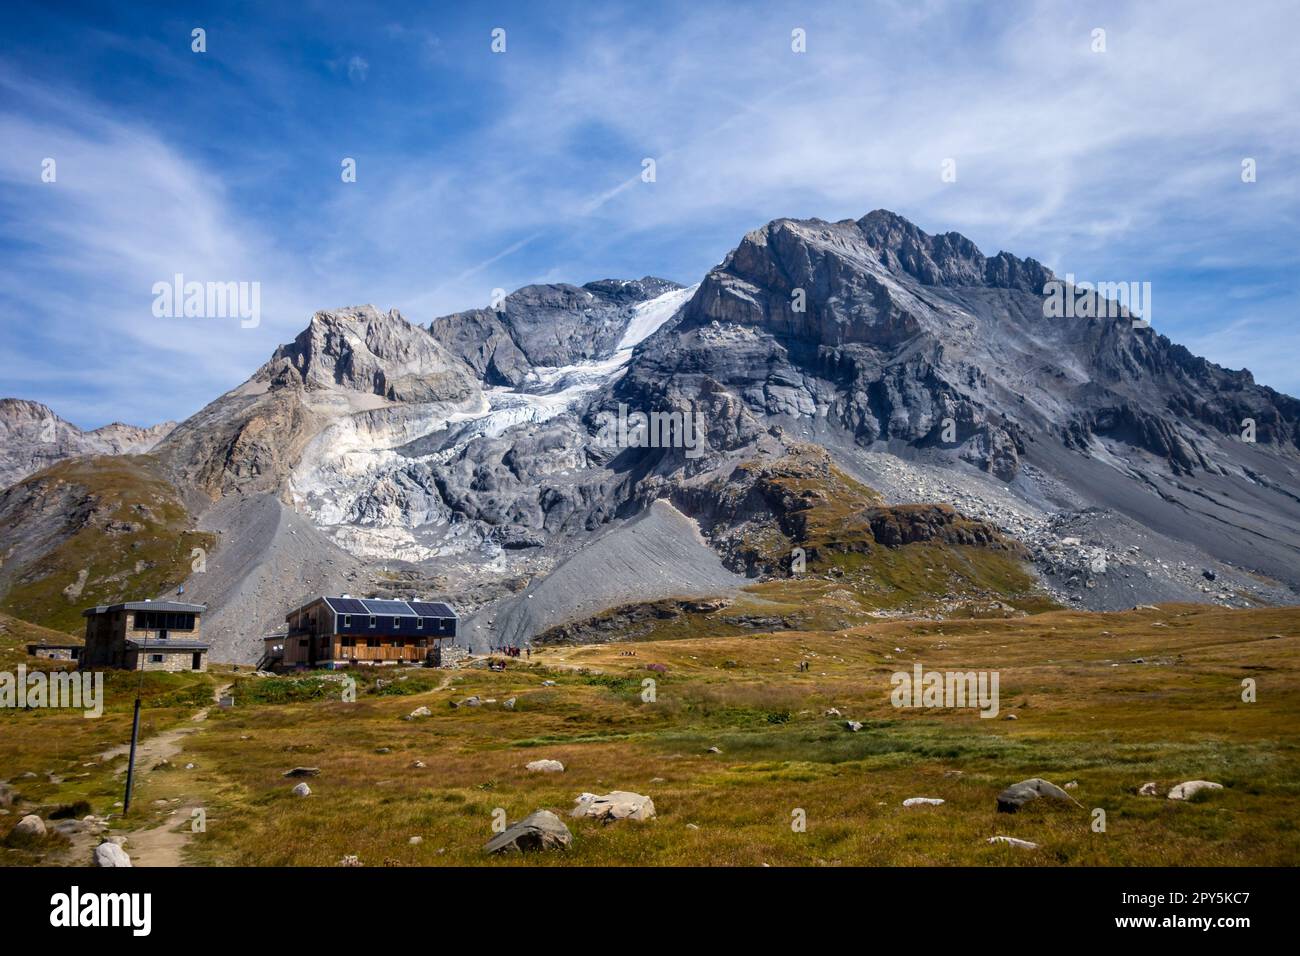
column 900, row 411
column 34, row 437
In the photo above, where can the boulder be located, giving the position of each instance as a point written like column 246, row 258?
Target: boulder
column 110, row 854
column 1190, row 788
column 303, row 772
column 618, row 805
column 540, row 830
column 28, row 829
column 1018, row 794
column 545, row 766
column 302, row 790
column 421, row 712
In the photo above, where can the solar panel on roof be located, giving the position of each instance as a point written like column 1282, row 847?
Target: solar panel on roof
column 432, row 609
column 400, row 608
column 347, row 606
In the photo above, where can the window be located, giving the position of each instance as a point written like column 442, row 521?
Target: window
column 155, row 658
column 397, row 624
column 374, row 621
column 372, row 642
column 419, row 624
column 349, row 642
column 347, row 620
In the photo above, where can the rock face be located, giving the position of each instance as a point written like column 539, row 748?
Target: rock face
column 33, row 437
column 618, row 805
column 540, row 830
column 545, row 325
column 1017, row 795
column 1189, row 789
column 367, row 351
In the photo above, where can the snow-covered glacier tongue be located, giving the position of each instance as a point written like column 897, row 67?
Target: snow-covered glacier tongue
column 416, row 481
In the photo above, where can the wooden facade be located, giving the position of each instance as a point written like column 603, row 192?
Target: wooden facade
column 350, row 632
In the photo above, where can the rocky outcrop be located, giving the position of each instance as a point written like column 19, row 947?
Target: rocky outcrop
column 545, row 325
column 364, row 350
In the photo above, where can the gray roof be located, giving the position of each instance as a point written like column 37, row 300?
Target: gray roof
column 173, row 606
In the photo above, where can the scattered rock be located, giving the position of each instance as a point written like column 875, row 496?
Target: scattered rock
column 28, row 829
column 110, row 854
column 417, row 765
column 1072, row 785
column 548, row 683
column 692, row 826
column 922, row 802
column 383, row 750
column 302, row 790
column 833, row 712
column 1010, row 717
column 1149, row 790
column 545, row 766
column 1018, row 794
column 540, row 830
column 853, row 725
column 1189, row 789
column 303, row 772
column 415, row 841
column 618, row 805
column 421, row 712
column 713, row 750
column 350, row 860
column 509, row 704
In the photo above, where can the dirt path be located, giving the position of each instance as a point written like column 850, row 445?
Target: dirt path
column 161, row 845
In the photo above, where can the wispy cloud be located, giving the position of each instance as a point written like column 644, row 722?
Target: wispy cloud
column 478, row 170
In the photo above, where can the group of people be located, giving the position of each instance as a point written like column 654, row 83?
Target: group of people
column 509, row 650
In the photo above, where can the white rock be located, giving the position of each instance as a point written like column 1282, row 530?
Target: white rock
column 853, row 725
column 617, row 805
column 30, row 826
column 922, row 802
column 1189, row 789
column 1012, row 841
column 545, row 766
column 302, row 790
column 110, row 854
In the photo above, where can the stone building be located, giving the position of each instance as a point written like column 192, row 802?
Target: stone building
column 145, row 635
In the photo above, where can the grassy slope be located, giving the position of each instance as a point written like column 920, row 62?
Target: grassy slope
column 149, row 559
column 1085, row 713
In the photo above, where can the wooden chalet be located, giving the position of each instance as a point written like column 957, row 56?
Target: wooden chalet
column 346, row 631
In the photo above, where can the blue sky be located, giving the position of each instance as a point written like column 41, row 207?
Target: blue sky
column 478, row 170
